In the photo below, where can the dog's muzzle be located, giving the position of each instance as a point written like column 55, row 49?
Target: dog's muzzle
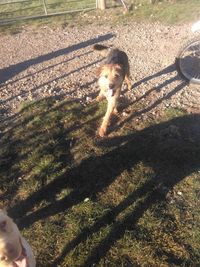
column 22, row 260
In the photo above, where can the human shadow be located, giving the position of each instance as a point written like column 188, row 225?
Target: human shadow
column 171, row 149
column 11, row 71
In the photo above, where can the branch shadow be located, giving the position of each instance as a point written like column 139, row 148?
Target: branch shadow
column 153, row 104
column 13, row 70
column 45, row 69
column 53, row 80
column 172, row 154
column 40, row 139
column 170, row 148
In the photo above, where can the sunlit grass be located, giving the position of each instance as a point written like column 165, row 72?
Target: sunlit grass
column 126, row 200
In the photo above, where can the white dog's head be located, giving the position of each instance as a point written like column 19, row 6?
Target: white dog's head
column 10, row 240
column 196, row 26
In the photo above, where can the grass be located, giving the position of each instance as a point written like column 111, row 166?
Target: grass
column 31, row 8
column 167, row 12
column 131, row 199
column 34, row 11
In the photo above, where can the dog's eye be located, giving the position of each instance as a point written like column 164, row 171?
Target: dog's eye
column 116, row 75
column 106, row 76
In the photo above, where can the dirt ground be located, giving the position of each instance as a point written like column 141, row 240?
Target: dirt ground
column 45, row 62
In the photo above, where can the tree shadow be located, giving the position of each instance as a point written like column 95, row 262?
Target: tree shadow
column 54, row 80
column 45, row 69
column 37, row 129
column 147, row 95
column 171, row 149
column 169, row 69
column 13, row 70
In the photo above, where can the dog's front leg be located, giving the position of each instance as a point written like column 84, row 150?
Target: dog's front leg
column 111, row 106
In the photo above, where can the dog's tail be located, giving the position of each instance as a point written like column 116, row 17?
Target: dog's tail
column 102, row 49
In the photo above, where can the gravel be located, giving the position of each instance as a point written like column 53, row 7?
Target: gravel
column 61, row 62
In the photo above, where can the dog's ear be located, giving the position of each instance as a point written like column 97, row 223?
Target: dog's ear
column 118, row 67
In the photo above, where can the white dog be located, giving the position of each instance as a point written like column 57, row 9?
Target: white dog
column 14, row 249
column 196, row 26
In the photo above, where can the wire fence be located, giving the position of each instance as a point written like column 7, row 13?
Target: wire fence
column 12, row 10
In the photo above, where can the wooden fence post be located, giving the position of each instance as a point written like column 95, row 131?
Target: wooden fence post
column 101, row 4
column 45, row 8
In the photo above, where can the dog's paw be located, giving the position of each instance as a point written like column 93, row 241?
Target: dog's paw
column 99, row 98
column 130, row 86
column 102, row 132
column 116, row 112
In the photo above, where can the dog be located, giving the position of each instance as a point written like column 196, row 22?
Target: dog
column 14, row 249
column 111, row 76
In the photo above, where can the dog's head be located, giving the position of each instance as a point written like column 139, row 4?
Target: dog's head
column 111, row 77
column 10, row 240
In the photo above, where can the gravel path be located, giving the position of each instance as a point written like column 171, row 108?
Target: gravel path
column 36, row 64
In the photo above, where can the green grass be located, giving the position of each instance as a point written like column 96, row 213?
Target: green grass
column 31, row 8
column 180, row 11
column 166, row 11
column 34, row 11
column 131, row 199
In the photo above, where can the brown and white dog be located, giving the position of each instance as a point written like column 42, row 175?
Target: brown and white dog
column 112, row 74
column 14, row 249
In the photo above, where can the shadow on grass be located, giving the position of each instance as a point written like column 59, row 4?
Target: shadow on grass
column 171, row 149
column 39, row 142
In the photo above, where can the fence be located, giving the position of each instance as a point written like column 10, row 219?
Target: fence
column 13, row 10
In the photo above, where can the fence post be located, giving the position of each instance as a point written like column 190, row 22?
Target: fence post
column 45, row 8
column 101, row 4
